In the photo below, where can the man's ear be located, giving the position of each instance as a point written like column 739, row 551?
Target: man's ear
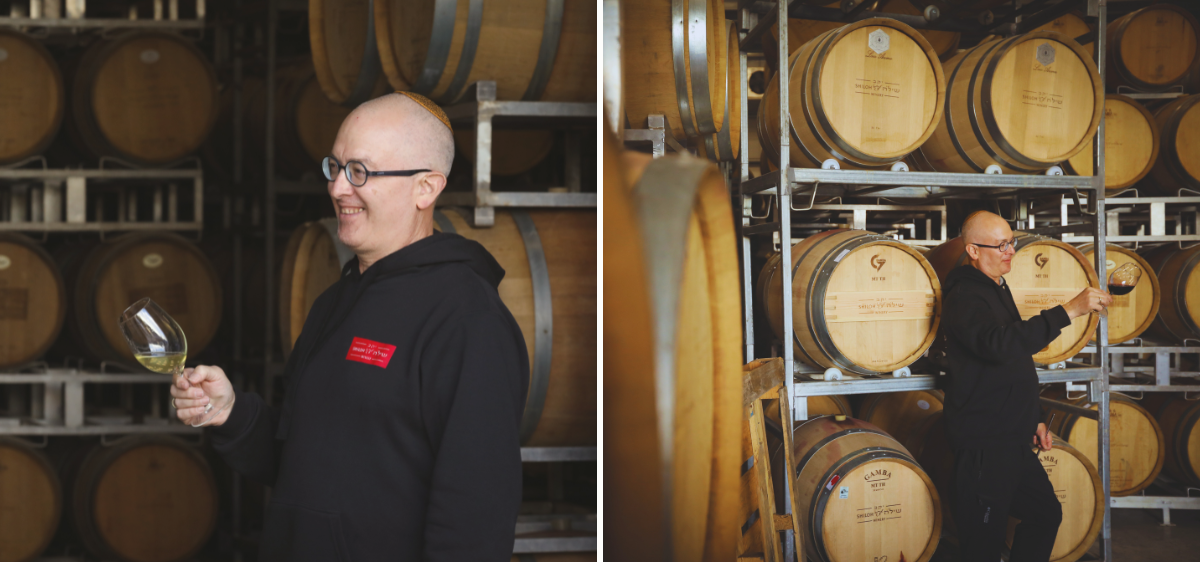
column 972, row 251
column 428, row 188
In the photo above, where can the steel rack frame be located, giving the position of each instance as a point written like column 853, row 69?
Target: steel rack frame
column 807, row 185
column 56, row 404
column 70, row 16
column 485, row 113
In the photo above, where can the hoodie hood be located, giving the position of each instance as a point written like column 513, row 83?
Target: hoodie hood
column 439, row 249
column 965, row 274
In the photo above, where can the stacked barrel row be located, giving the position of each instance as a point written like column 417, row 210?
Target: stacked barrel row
column 122, row 500
column 71, row 299
column 533, row 51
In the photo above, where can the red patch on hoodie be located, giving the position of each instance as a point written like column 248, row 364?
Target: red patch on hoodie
column 370, row 352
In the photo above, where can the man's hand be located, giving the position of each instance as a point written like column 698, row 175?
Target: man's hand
column 1086, row 301
column 1042, row 439
column 196, row 389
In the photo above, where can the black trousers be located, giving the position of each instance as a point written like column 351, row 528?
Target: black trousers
column 993, row 483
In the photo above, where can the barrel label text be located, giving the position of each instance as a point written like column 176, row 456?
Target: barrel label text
column 878, row 479
column 1042, row 99
column 877, row 88
column 875, row 514
column 1031, row 302
column 870, row 306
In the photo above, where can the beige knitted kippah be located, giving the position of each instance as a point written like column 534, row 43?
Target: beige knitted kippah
column 429, row 106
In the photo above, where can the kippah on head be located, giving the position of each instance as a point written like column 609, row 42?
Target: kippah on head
column 429, row 106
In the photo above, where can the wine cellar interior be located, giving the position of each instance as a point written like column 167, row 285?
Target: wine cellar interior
column 897, row 120
column 171, row 149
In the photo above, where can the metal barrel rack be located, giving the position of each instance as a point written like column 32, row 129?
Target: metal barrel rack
column 804, row 189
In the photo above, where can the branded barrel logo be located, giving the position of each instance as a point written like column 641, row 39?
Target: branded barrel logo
column 877, row 475
column 877, row 262
column 1041, row 261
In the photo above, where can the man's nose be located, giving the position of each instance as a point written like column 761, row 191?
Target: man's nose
column 340, row 185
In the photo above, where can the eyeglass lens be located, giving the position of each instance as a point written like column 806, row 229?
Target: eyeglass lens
column 356, row 172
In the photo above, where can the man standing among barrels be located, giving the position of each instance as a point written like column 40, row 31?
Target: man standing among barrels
column 992, row 409
column 398, row 434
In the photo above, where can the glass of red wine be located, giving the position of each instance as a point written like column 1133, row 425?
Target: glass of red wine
column 1122, row 281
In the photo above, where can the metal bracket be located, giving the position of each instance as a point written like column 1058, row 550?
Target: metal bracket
column 812, row 200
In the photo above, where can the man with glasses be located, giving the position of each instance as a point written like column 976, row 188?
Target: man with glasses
column 992, row 413
column 398, row 437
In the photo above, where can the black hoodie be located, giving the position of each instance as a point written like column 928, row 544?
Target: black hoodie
column 398, row 438
column 992, row 398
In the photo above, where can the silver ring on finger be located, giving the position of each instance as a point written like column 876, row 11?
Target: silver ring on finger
column 173, row 404
column 208, row 407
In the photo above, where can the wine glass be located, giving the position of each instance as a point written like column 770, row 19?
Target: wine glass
column 1122, row 281
column 156, row 339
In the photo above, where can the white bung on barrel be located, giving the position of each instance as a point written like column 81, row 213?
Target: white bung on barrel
column 32, row 98
column 1045, row 273
column 149, row 97
column 1153, row 48
column 865, row 94
column 1129, row 315
column 1130, row 145
column 861, row 302
column 861, row 495
column 1024, row 104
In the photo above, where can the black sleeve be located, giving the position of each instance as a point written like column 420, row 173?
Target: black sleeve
column 472, row 401
column 247, row 438
column 973, row 325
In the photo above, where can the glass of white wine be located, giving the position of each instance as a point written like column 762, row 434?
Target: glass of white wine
column 156, row 339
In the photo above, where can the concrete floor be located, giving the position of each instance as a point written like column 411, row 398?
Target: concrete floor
column 1139, row 536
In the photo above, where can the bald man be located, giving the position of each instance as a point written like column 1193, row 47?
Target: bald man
column 992, row 411
column 398, row 435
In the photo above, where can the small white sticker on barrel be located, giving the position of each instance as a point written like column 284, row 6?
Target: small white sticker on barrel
column 844, row 492
column 152, row 261
column 5, row 262
column 150, row 56
column 922, row 404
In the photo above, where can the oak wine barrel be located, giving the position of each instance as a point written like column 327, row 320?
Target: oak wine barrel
column 312, row 262
column 632, row 467
column 1136, row 446
column 864, row 94
column 1130, row 145
column 1045, row 273
column 1152, row 49
column 33, row 301
column 861, row 495
column 1024, row 104
column 861, row 302
column 682, row 209
column 145, row 498
column 1179, row 292
column 1081, row 494
column 723, row 146
column 1179, row 419
column 32, row 97
column 30, row 501
column 898, row 413
column 1128, row 315
column 676, row 67
column 532, row 49
column 160, row 265
column 557, row 276
column 1178, row 163
column 344, row 51
column 148, row 97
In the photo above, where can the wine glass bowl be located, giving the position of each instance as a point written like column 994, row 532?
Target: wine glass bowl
column 156, row 340
column 1123, row 279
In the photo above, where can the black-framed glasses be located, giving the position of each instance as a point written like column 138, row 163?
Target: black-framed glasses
column 1003, row 246
column 357, row 173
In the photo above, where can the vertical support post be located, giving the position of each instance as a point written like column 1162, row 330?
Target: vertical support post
column 77, row 199
column 52, row 200
column 19, row 197
column 784, row 189
column 156, row 210
column 743, row 177
column 73, row 402
column 485, row 214
column 1162, row 368
column 1099, row 9
column 52, row 403
column 269, row 201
